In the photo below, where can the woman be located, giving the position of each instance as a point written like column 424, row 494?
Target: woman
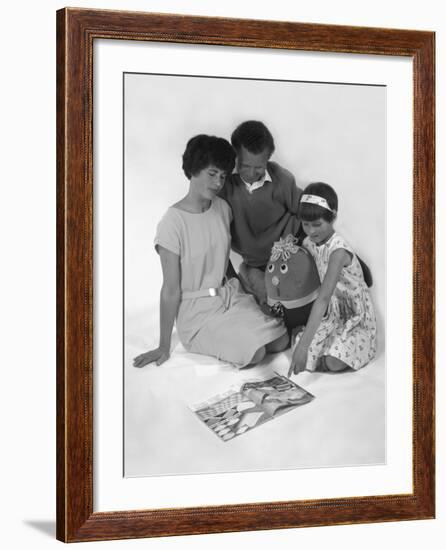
column 214, row 317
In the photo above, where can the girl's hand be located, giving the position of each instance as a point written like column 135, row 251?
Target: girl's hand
column 157, row 355
column 338, row 260
column 298, row 360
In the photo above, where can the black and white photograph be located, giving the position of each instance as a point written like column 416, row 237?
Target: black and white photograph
column 223, row 263
column 254, row 249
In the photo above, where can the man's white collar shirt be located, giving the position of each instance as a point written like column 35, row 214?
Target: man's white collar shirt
column 251, row 187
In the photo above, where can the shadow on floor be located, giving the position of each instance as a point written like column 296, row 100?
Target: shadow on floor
column 47, row 527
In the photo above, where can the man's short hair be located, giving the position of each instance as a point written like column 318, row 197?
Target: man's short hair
column 254, row 136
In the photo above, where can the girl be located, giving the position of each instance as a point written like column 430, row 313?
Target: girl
column 341, row 329
column 213, row 316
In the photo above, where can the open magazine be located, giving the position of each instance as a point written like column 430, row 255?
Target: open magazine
column 239, row 410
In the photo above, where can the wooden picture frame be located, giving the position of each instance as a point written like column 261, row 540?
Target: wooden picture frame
column 76, row 31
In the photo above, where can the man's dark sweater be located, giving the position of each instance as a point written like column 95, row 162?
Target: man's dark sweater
column 260, row 218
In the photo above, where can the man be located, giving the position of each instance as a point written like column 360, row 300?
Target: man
column 264, row 198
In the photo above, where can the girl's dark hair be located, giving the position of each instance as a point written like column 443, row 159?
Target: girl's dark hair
column 310, row 212
column 203, row 150
column 254, row 136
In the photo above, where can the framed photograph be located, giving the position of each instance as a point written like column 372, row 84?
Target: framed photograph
column 197, row 157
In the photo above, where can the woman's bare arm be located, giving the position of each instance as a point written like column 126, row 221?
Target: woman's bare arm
column 169, row 303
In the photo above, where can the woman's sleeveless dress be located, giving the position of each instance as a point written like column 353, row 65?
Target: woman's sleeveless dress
column 229, row 326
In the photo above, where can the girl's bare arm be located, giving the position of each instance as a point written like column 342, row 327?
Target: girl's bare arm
column 338, row 260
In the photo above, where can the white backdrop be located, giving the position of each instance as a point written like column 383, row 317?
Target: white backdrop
column 323, row 132
column 28, row 271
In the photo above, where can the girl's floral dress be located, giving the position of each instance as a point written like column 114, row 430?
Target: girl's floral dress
column 348, row 330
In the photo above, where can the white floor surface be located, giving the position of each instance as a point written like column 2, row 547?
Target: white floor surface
column 344, row 425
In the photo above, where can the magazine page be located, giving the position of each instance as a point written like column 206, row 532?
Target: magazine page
column 239, row 410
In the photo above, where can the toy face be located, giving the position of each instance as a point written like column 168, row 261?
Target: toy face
column 293, row 278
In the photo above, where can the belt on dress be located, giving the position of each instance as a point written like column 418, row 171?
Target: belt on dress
column 202, row 293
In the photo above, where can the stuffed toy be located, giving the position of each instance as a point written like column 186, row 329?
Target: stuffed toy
column 292, row 282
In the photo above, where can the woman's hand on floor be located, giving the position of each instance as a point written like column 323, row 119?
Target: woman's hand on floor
column 157, row 355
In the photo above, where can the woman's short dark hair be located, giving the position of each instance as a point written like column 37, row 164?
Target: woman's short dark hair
column 309, row 212
column 203, row 150
column 254, row 136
